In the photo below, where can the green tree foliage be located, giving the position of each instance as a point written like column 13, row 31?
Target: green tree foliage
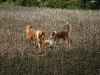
column 53, row 3
column 29, row 3
column 74, row 4
column 57, row 3
column 69, row 4
column 96, row 5
column 62, row 4
column 0, row 1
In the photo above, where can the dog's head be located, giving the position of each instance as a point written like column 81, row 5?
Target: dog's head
column 46, row 43
column 43, row 44
column 41, row 35
column 52, row 34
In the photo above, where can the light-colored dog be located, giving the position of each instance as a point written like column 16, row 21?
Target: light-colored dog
column 35, row 36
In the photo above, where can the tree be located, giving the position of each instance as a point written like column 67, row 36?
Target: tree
column 74, row 4
column 29, row 3
column 97, row 4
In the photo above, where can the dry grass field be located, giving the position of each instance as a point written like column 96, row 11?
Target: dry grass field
column 19, row 57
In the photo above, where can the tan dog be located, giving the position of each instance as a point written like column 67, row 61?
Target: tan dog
column 46, row 44
column 62, row 34
column 35, row 36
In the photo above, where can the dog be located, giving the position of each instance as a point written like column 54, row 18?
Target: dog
column 46, row 44
column 36, row 36
column 61, row 34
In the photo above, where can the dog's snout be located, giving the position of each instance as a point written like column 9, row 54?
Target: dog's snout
column 50, row 36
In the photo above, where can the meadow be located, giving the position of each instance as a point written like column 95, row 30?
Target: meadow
column 19, row 57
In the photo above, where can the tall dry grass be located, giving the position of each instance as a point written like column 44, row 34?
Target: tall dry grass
column 19, row 57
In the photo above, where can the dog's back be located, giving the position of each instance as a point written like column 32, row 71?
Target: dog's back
column 30, row 32
column 62, row 34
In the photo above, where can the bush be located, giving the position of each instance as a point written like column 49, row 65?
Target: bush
column 72, row 7
column 74, row 4
column 29, row 3
column 57, row 4
column 89, row 5
column 9, row 2
column 53, row 3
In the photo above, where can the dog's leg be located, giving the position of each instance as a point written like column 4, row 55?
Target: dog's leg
column 57, row 41
column 60, row 41
column 70, row 40
column 38, row 43
column 27, row 36
column 67, row 42
column 33, row 42
column 39, row 46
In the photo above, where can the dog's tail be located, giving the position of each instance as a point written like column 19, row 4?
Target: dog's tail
column 69, row 27
column 28, row 28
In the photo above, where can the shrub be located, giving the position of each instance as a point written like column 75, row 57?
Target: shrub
column 11, row 3
column 29, row 3
column 73, row 4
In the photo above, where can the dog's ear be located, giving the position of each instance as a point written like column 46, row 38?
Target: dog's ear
column 53, row 33
column 47, row 43
column 41, row 34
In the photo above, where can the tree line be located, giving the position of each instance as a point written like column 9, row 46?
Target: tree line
column 69, row 4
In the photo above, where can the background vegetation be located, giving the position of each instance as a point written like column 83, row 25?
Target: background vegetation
column 69, row 4
column 19, row 57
